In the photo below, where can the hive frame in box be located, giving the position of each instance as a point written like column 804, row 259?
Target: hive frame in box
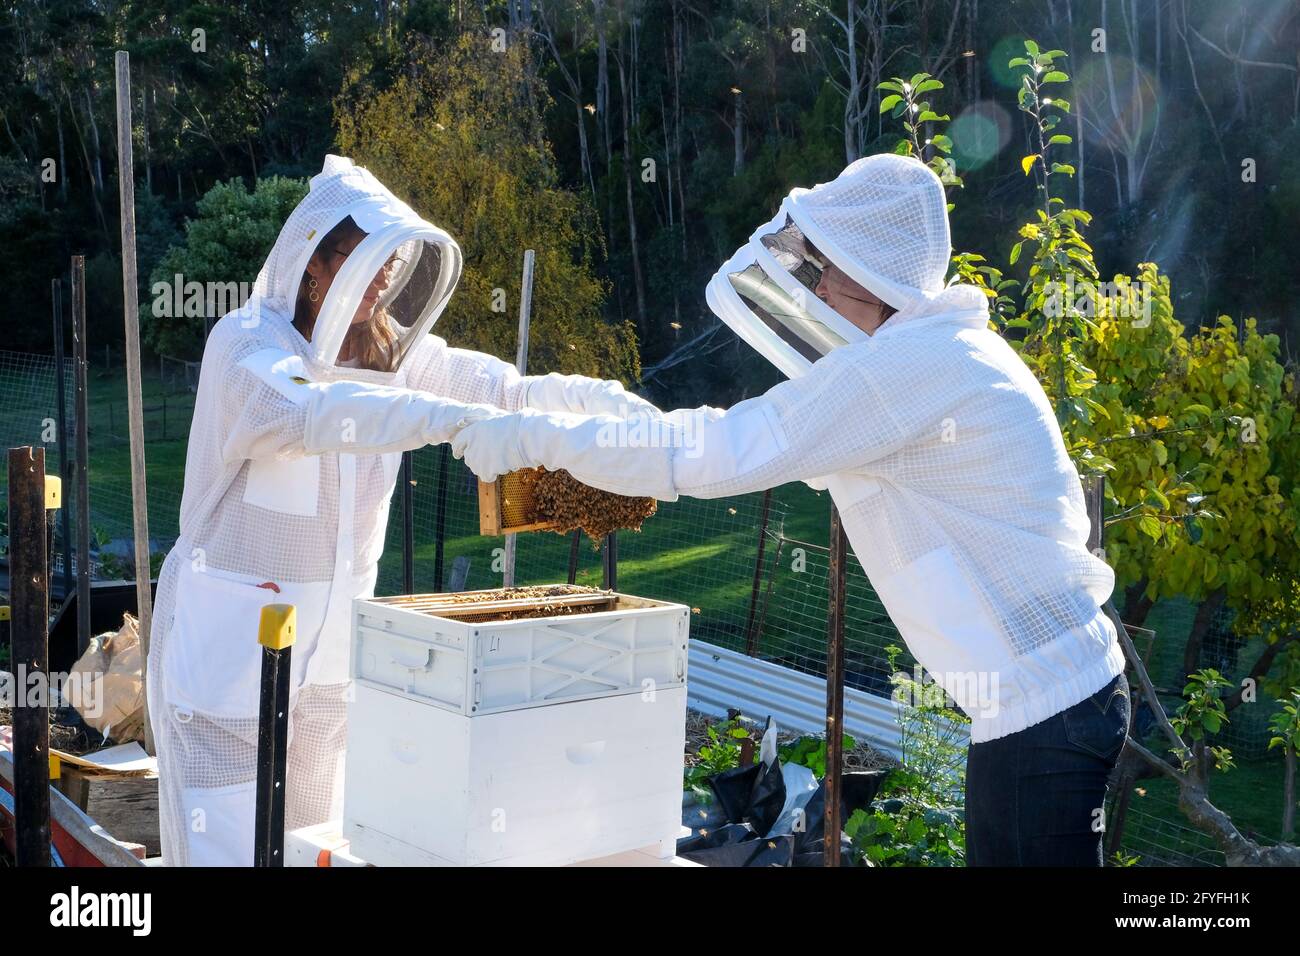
column 403, row 645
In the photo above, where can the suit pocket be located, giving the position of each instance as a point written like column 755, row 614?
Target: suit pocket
column 1099, row 723
column 289, row 486
column 213, row 662
column 945, row 623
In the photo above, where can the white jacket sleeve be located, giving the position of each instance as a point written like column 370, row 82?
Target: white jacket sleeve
column 589, row 396
column 835, row 418
column 274, row 410
column 478, row 377
column 465, row 375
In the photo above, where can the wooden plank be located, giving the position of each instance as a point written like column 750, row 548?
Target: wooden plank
column 126, row 807
column 134, row 393
column 489, row 509
column 521, row 365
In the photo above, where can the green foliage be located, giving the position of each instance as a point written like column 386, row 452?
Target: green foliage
column 721, row 753
column 1201, row 715
column 904, row 100
column 459, row 136
column 1202, row 711
column 810, row 751
column 931, row 736
column 916, row 819
column 227, row 241
column 1285, row 724
column 905, row 829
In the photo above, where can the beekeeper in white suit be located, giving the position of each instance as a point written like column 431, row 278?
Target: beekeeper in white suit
column 307, row 397
column 945, row 460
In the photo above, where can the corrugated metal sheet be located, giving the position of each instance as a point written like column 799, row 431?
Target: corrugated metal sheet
column 718, row 679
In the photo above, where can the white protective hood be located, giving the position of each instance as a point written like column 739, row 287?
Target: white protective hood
column 883, row 221
column 428, row 268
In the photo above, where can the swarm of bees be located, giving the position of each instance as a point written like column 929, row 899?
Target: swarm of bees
column 569, row 505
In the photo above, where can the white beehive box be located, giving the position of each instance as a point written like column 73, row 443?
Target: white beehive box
column 425, row 648
column 539, row 741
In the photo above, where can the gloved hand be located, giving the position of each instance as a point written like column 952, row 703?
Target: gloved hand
column 490, row 447
column 588, row 396
column 598, row 450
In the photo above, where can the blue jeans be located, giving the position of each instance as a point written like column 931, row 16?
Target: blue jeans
column 1035, row 797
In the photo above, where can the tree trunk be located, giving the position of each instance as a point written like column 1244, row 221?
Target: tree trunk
column 1200, row 626
column 738, row 137
column 638, row 280
column 1136, row 603
column 63, row 164
column 602, row 78
column 94, row 129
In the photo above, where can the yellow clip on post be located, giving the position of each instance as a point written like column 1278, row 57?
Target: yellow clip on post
column 4, row 612
column 53, row 492
column 56, row 767
column 276, row 630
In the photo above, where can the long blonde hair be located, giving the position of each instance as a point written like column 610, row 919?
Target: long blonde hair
column 373, row 342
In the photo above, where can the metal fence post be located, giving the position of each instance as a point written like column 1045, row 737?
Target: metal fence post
column 574, row 540
column 440, row 519
column 29, row 637
column 834, row 691
column 609, row 562
column 60, row 385
column 81, row 365
column 751, row 636
column 276, row 635
column 408, row 524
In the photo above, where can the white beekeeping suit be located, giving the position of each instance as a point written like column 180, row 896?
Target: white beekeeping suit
column 937, row 443
column 291, row 464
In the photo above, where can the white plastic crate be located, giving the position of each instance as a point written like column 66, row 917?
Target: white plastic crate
column 484, row 667
column 537, row 786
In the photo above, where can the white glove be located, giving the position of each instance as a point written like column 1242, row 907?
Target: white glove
column 492, row 450
column 588, row 396
column 595, row 449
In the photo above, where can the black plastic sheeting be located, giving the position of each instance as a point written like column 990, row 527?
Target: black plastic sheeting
column 737, row 829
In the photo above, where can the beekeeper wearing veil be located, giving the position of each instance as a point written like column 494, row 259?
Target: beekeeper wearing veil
column 943, row 455
column 307, row 397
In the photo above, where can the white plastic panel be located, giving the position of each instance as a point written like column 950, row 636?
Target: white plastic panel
column 489, row 667
column 547, row 785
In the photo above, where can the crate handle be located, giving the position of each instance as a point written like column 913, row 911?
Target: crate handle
column 420, row 660
column 589, row 752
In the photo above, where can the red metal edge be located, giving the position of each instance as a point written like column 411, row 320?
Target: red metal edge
column 73, row 853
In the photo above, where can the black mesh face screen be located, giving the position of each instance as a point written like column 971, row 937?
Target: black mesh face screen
column 418, row 267
column 778, row 311
column 415, row 270
column 789, row 247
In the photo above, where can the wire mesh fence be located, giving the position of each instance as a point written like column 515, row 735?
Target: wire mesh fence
column 754, row 585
